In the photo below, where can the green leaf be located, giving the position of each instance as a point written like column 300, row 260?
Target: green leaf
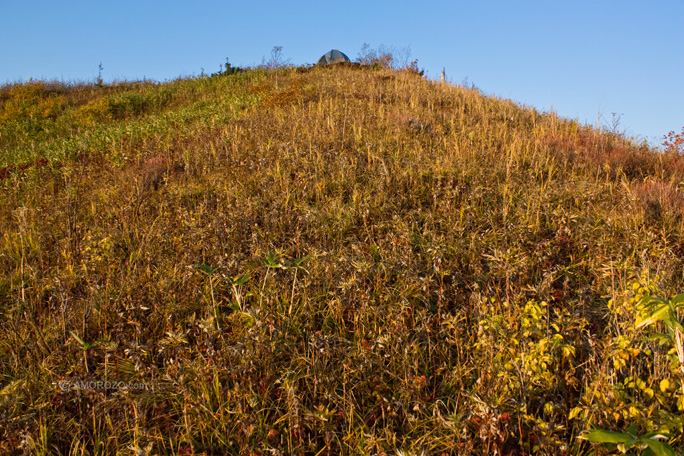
column 270, row 261
column 656, row 435
column 631, row 430
column 206, row 268
column 653, row 301
column 298, row 262
column 243, row 280
column 658, row 448
column 661, row 338
column 599, row 435
column 678, row 300
column 661, row 312
column 78, row 339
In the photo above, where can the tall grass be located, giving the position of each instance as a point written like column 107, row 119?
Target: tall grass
column 354, row 261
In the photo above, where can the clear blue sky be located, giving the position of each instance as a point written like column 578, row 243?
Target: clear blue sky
column 579, row 58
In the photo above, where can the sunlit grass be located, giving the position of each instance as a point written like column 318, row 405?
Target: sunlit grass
column 354, row 261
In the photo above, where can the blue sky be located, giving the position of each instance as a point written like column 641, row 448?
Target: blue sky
column 580, row 58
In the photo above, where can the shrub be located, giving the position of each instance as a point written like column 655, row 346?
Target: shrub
column 389, row 58
column 674, row 142
column 382, row 57
column 31, row 101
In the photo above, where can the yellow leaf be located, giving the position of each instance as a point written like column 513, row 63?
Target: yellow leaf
column 574, row 413
column 10, row 388
column 664, row 385
column 655, row 316
column 548, row 408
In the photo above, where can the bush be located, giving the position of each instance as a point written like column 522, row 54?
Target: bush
column 674, row 142
column 389, row 58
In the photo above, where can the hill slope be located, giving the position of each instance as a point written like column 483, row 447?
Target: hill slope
column 334, row 260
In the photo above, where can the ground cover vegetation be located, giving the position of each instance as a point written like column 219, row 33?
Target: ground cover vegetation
column 342, row 260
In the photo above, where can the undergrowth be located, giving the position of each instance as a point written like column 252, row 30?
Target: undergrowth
column 351, row 261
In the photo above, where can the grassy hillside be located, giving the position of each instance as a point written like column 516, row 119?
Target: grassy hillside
column 326, row 261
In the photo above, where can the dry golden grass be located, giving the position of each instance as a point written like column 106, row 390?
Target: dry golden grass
column 352, row 262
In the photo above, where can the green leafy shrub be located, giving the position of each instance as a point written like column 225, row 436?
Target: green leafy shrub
column 642, row 388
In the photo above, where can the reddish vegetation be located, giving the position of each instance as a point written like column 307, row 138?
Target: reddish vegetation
column 674, row 142
column 9, row 171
